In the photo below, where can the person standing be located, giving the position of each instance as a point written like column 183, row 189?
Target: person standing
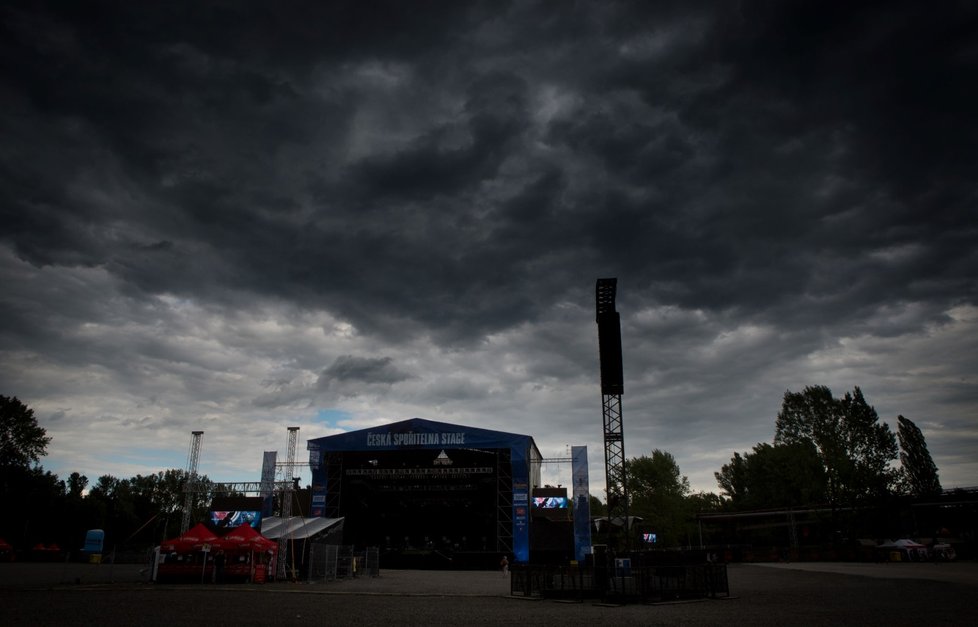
column 504, row 565
column 219, row 558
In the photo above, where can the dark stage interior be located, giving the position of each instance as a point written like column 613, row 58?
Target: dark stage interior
column 422, row 506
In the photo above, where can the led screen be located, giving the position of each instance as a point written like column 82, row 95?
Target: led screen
column 232, row 519
column 550, row 502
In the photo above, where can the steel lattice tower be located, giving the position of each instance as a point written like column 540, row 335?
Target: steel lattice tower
column 283, row 541
column 190, row 487
column 612, row 387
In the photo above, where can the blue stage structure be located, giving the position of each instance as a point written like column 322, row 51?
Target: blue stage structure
column 423, row 486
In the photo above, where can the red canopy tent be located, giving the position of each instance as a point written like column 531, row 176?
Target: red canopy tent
column 250, row 554
column 242, row 553
column 247, row 539
column 192, row 539
column 184, row 557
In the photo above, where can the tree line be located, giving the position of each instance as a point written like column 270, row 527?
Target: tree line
column 43, row 509
column 826, row 451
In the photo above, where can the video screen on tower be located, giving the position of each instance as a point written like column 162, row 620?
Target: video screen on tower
column 550, row 502
column 232, row 519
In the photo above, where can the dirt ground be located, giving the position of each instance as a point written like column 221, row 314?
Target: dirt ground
column 772, row 594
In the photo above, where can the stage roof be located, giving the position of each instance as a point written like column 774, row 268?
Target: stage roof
column 418, row 433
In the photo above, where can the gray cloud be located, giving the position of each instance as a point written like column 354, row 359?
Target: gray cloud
column 203, row 204
column 363, row 370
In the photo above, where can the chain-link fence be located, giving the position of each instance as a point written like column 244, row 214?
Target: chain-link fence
column 328, row 562
column 645, row 583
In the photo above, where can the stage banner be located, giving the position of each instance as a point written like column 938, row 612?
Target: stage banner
column 582, row 503
column 521, row 507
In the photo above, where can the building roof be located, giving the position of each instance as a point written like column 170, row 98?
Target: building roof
column 417, row 433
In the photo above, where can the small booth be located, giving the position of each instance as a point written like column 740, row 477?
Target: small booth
column 243, row 554
column 187, row 557
column 199, row 555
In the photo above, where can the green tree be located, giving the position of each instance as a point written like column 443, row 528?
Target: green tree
column 146, row 508
column 732, row 479
column 104, row 487
column 76, row 485
column 162, row 495
column 22, row 440
column 654, row 476
column 918, row 471
column 855, row 448
column 597, row 506
column 37, row 496
column 25, row 487
column 657, row 492
column 774, row 476
column 704, row 502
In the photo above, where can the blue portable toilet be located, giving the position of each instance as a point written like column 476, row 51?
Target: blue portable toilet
column 94, row 542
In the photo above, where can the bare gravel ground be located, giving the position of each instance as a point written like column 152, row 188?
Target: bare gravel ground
column 796, row 594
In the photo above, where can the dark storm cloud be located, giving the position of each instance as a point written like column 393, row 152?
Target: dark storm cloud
column 197, row 104
column 351, row 376
column 364, row 370
column 764, row 178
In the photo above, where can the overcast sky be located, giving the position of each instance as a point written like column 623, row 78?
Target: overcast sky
column 338, row 215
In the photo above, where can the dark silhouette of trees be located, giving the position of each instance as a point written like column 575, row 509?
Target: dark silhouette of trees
column 782, row 475
column 597, row 506
column 144, row 509
column 918, row 471
column 657, row 492
column 855, row 448
column 834, row 459
column 76, row 485
column 30, row 495
column 22, row 440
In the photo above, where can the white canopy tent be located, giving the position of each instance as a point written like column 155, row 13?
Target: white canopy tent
column 297, row 527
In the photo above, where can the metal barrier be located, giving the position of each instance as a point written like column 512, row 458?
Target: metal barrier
column 323, row 560
column 329, row 561
column 642, row 584
column 371, row 560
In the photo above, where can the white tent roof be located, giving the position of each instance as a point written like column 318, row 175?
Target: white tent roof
column 296, row 527
column 903, row 544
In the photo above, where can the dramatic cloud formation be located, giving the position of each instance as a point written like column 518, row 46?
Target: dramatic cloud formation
column 232, row 217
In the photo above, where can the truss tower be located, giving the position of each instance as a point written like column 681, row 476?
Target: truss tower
column 612, row 387
column 190, row 487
